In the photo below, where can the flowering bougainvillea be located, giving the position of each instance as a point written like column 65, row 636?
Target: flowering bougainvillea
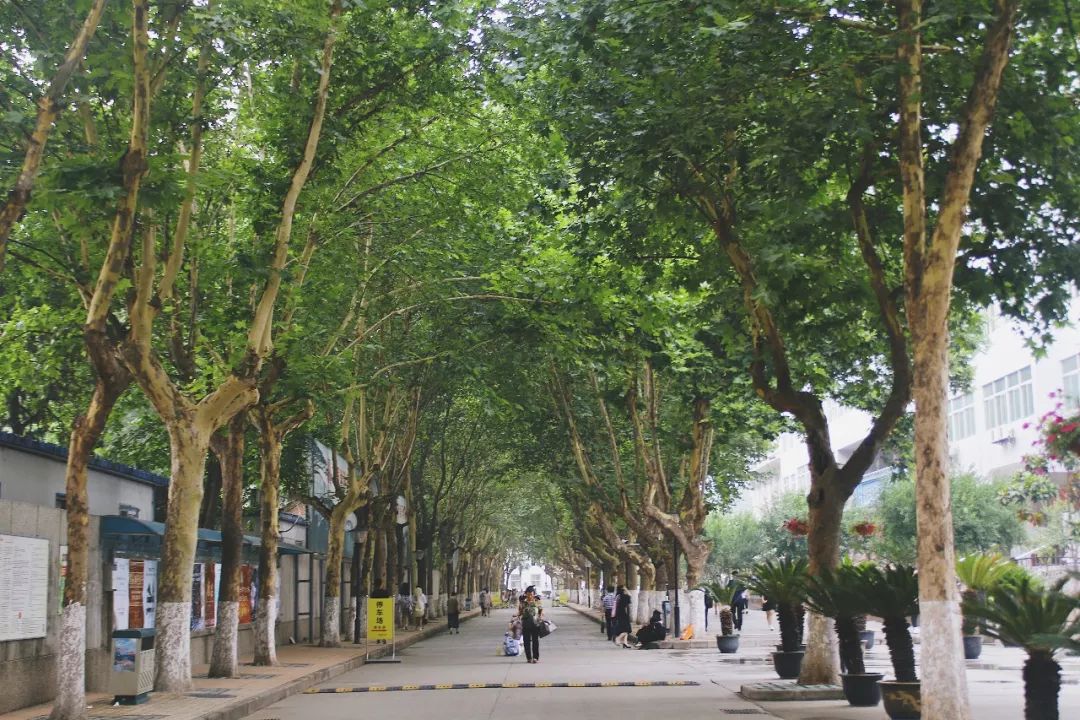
column 864, row 529
column 797, row 526
column 1059, row 437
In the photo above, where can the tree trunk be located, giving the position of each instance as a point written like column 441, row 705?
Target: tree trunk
column 229, row 450
column 188, row 448
column 210, row 512
column 826, row 513
column 379, row 579
column 70, row 703
column 1042, row 685
column 335, row 551
column 928, row 271
column 270, row 475
column 48, row 108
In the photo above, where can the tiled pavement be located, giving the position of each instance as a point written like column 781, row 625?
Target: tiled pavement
column 300, row 666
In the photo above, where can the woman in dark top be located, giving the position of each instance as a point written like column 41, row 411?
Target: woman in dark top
column 622, row 617
column 653, row 632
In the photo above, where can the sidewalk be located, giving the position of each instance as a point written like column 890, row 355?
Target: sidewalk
column 300, row 667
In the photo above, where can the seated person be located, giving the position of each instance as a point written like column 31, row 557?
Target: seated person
column 653, row 632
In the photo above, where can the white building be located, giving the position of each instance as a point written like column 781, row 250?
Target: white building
column 530, row 574
column 991, row 427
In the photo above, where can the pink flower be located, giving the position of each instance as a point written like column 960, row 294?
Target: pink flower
column 1027, row 425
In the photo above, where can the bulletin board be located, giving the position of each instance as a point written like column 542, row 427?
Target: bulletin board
column 24, row 587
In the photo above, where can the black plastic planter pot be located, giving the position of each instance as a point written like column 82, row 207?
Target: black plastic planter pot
column 862, row 690
column 788, row 664
column 867, row 637
column 972, row 647
column 902, row 700
column 727, row 643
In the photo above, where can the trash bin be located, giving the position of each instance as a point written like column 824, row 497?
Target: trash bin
column 132, row 676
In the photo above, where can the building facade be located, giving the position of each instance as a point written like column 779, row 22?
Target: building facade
column 992, row 425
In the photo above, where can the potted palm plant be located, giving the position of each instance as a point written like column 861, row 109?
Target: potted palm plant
column 892, row 593
column 836, row 594
column 783, row 582
column 1041, row 621
column 727, row 641
column 979, row 573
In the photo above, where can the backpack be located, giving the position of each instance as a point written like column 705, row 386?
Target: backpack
column 530, row 616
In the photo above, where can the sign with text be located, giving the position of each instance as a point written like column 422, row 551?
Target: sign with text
column 24, row 587
column 380, row 619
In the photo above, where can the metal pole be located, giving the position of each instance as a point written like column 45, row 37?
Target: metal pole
column 675, row 555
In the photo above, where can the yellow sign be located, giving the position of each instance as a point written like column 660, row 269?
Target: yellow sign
column 380, row 618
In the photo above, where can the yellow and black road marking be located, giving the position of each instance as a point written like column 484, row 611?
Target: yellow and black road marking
column 498, row 686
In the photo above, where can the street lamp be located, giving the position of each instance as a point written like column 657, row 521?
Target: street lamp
column 675, row 607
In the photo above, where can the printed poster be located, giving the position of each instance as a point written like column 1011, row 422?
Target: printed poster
column 124, row 654
column 245, row 594
column 197, row 622
column 63, row 577
column 24, row 587
column 149, row 592
column 121, row 596
column 210, row 584
column 135, row 594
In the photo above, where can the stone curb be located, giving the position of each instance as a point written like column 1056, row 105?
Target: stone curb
column 245, row 707
column 787, row 690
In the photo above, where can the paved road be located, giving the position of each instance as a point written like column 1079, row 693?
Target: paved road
column 577, row 653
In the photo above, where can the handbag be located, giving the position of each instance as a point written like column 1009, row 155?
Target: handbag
column 545, row 628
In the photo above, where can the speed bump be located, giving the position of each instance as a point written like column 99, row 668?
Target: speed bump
column 500, row 686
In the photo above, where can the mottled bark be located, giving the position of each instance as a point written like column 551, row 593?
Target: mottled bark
column 49, row 106
column 928, row 268
column 188, row 448
column 230, row 453
column 70, row 703
column 113, row 377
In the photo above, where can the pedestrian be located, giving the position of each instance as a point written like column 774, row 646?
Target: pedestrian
column 654, row 631
column 708, row 606
column 739, row 603
column 485, row 603
column 770, row 609
column 622, row 617
column 419, row 607
column 608, row 601
column 453, row 614
column 404, row 606
column 532, row 614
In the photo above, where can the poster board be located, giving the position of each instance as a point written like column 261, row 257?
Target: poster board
column 24, row 587
column 380, row 619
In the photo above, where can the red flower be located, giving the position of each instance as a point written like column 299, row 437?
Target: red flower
column 797, row 526
column 864, row 529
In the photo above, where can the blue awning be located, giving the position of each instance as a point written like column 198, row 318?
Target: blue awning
column 121, row 526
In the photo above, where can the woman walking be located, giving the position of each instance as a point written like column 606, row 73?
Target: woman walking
column 622, row 617
column 532, row 614
column 419, row 607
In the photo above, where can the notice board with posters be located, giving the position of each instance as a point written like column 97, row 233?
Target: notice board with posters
column 24, row 587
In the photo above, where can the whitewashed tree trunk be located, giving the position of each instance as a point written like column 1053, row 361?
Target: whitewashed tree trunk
column 265, row 641
column 70, row 703
column 331, row 621
column 173, row 647
column 225, row 652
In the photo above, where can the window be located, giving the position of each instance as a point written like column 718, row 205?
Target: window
column 1070, row 380
column 1008, row 398
column 61, row 501
column 962, row 416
